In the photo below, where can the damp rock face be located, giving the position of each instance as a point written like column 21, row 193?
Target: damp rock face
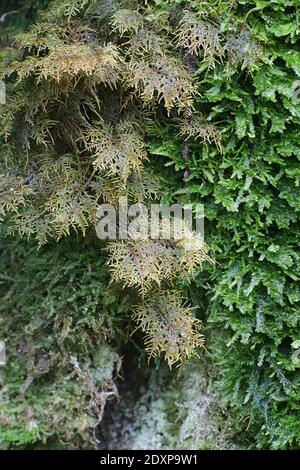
column 169, row 411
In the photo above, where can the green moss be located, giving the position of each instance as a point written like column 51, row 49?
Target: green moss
column 250, row 193
column 57, row 318
column 68, row 326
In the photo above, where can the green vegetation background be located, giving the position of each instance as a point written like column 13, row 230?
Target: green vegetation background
column 249, row 302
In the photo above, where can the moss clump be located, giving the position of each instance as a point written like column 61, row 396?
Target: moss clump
column 58, row 320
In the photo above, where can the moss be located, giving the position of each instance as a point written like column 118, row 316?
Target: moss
column 64, row 325
column 58, row 327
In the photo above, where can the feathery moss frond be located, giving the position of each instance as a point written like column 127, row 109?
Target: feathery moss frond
column 198, row 128
column 145, row 263
column 169, row 326
column 162, row 79
column 125, row 21
column 116, row 150
column 196, row 34
column 69, row 61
